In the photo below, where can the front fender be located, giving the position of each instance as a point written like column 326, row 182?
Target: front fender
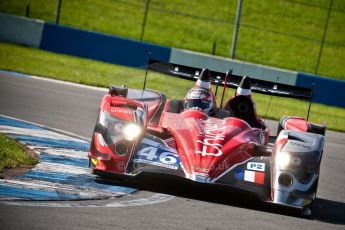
column 295, row 167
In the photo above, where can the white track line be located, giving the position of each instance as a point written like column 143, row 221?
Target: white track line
column 61, row 168
column 57, row 187
column 154, row 199
column 38, row 133
column 16, row 74
column 51, row 129
column 67, row 153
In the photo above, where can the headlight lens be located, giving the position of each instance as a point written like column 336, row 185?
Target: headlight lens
column 131, row 131
column 118, row 129
column 283, row 160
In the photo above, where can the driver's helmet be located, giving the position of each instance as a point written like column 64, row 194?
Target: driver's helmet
column 199, row 99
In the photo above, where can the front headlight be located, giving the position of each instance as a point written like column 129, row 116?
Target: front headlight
column 131, row 131
column 296, row 161
column 117, row 129
column 283, row 160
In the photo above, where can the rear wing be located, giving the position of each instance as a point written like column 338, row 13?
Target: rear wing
column 218, row 78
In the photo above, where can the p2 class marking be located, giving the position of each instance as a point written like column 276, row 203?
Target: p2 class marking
column 256, row 166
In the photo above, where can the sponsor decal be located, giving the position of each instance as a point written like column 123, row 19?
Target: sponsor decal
column 251, row 176
column 201, row 174
column 202, row 170
column 307, row 147
column 256, row 166
column 157, row 154
column 120, row 110
column 211, row 138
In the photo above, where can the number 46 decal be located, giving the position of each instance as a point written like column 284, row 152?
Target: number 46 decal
column 152, row 154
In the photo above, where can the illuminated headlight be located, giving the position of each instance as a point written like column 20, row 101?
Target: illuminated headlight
column 131, row 131
column 283, row 160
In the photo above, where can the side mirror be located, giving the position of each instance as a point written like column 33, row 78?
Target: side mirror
column 121, row 91
column 99, row 128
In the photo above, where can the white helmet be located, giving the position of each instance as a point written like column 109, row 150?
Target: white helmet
column 199, row 99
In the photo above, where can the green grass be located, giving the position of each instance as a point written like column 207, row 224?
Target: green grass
column 90, row 72
column 282, row 33
column 12, row 154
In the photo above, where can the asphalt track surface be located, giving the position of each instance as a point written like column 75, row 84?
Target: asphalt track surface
column 74, row 109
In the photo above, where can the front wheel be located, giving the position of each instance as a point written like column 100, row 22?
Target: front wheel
column 307, row 210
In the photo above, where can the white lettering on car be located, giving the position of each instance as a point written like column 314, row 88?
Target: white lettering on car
column 213, row 137
column 118, row 110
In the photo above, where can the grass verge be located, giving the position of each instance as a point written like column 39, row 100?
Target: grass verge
column 13, row 154
column 90, row 72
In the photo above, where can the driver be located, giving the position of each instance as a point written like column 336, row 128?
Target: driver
column 243, row 106
column 200, row 97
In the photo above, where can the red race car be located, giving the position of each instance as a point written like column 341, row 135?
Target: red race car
column 141, row 131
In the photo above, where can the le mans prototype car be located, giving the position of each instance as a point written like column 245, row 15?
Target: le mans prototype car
column 141, row 131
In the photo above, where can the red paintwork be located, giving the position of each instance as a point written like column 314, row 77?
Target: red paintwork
column 108, row 159
column 297, row 124
column 207, row 146
column 152, row 107
column 210, row 145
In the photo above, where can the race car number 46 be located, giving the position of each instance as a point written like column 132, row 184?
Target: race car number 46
column 150, row 153
column 157, row 156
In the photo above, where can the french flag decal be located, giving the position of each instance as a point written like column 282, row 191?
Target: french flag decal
column 251, row 176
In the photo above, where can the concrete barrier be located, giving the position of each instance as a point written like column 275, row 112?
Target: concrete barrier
column 220, row 64
column 20, row 30
column 327, row 91
column 103, row 47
